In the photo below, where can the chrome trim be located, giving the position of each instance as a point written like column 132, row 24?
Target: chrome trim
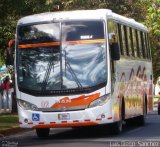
column 63, row 109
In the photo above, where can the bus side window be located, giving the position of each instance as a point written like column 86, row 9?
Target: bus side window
column 113, row 33
column 137, row 43
column 126, row 40
column 113, row 41
column 130, row 41
column 140, row 44
column 134, row 42
column 146, row 46
column 123, row 40
column 143, row 45
column 120, row 39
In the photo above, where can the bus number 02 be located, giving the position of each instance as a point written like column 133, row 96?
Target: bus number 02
column 44, row 104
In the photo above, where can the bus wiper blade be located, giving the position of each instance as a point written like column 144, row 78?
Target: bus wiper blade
column 47, row 74
column 67, row 65
column 46, row 77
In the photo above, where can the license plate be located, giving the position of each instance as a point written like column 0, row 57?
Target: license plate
column 65, row 116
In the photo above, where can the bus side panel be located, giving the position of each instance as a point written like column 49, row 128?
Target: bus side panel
column 133, row 84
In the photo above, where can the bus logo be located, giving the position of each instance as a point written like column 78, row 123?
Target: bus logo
column 63, row 101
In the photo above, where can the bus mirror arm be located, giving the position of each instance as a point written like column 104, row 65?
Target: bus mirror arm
column 9, row 58
column 115, row 54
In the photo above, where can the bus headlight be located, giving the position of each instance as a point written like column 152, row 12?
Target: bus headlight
column 100, row 101
column 26, row 105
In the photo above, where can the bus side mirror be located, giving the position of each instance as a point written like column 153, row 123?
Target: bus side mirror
column 9, row 58
column 115, row 54
column 9, row 52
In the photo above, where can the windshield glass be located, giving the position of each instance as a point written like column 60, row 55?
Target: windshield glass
column 46, row 63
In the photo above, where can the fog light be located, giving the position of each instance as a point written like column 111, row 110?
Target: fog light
column 26, row 120
column 103, row 116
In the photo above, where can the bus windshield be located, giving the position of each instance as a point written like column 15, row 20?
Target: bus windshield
column 61, row 57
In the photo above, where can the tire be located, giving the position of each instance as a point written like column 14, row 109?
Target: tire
column 158, row 109
column 131, row 122
column 42, row 133
column 140, row 120
column 116, row 128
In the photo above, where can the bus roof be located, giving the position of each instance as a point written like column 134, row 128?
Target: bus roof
column 80, row 14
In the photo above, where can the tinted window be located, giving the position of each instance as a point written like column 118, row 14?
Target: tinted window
column 126, row 40
column 140, row 44
column 75, row 62
column 40, row 33
column 120, row 39
column 137, row 43
column 123, row 39
column 83, row 30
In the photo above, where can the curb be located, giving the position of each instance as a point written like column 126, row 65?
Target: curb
column 12, row 131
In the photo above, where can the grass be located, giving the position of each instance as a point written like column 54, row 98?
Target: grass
column 8, row 121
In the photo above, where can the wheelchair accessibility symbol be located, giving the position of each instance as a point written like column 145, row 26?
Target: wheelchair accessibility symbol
column 35, row 117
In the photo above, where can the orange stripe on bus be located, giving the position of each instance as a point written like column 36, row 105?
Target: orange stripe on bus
column 85, row 41
column 83, row 100
column 58, row 43
column 38, row 45
column 66, row 125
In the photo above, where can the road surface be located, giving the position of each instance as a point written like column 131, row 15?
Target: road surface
column 148, row 135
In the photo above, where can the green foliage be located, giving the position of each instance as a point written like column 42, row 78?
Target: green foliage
column 11, row 11
column 146, row 11
column 8, row 121
column 152, row 20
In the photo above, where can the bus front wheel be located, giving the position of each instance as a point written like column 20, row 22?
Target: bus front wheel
column 158, row 108
column 116, row 127
column 43, row 132
column 140, row 120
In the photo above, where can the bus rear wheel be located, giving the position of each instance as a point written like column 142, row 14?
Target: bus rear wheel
column 43, row 132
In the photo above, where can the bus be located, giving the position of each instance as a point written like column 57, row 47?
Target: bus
column 82, row 68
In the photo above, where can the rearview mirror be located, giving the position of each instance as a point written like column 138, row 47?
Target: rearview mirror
column 115, row 55
column 9, row 57
column 9, row 52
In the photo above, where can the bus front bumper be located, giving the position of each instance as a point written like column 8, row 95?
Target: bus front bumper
column 87, row 117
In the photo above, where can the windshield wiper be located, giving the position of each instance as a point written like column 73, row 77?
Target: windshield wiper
column 47, row 74
column 67, row 65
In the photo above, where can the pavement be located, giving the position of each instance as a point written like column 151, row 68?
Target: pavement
column 11, row 131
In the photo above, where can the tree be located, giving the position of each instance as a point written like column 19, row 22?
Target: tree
column 146, row 11
column 152, row 20
column 11, row 11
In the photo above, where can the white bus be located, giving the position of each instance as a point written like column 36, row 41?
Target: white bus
column 81, row 68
